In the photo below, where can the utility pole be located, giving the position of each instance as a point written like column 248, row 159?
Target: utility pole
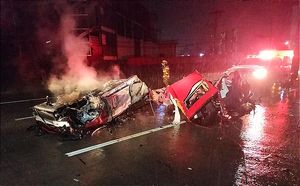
column 295, row 34
column 217, row 14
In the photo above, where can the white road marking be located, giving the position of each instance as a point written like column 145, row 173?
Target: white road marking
column 20, row 101
column 20, row 119
column 94, row 147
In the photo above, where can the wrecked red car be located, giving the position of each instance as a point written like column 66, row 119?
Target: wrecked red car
column 192, row 93
column 194, row 96
column 198, row 98
column 77, row 113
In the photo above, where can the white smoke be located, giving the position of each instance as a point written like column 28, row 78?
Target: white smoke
column 78, row 76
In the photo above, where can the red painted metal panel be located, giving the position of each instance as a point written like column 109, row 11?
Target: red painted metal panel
column 191, row 93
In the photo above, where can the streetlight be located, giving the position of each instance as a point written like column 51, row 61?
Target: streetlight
column 286, row 43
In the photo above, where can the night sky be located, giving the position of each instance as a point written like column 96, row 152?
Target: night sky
column 189, row 22
column 260, row 24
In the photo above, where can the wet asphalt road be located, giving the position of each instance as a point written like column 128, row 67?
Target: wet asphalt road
column 262, row 148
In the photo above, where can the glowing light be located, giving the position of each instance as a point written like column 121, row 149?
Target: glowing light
column 201, row 54
column 267, row 54
column 255, row 130
column 286, row 53
column 286, row 42
column 47, row 42
column 161, row 112
column 282, row 93
column 260, row 73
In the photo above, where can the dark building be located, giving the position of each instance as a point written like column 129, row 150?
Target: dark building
column 31, row 45
column 115, row 30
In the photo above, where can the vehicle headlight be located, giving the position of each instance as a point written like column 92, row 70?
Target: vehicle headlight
column 267, row 54
column 260, row 73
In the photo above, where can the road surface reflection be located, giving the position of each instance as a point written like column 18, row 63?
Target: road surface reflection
column 266, row 139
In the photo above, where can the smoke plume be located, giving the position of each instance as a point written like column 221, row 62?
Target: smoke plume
column 77, row 75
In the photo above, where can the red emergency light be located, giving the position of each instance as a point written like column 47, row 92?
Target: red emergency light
column 267, row 54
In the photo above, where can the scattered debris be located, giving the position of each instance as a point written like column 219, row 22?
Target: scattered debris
column 97, row 130
column 266, row 157
column 82, row 161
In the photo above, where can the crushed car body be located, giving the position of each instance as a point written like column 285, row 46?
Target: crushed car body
column 193, row 95
column 76, row 112
column 197, row 98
